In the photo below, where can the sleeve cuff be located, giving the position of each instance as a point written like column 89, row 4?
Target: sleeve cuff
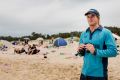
column 95, row 52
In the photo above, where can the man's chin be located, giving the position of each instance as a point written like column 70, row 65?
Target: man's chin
column 92, row 24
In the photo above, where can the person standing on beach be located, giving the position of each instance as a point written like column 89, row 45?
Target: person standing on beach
column 97, row 44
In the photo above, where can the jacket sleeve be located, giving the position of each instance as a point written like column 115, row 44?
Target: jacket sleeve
column 111, row 49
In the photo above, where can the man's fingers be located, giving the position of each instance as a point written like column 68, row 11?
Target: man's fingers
column 81, row 47
column 87, row 47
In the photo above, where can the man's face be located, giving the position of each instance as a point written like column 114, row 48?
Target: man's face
column 92, row 19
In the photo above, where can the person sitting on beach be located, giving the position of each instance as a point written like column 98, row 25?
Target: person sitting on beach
column 19, row 51
column 3, row 48
column 33, row 49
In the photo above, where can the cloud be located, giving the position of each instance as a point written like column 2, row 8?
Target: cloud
column 21, row 17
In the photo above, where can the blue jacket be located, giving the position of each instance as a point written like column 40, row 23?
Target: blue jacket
column 105, row 46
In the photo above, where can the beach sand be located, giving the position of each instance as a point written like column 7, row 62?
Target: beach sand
column 61, row 64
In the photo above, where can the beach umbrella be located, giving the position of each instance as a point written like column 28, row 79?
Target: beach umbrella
column 39, row 39
column 26, row 38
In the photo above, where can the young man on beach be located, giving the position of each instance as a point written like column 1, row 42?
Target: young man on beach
column 98, row 44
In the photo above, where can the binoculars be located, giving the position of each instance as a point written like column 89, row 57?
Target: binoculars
column 82, row 52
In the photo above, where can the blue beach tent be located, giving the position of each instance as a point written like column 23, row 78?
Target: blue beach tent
column 60, row 42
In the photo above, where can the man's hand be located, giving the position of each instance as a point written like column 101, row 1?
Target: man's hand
column 90, row 48
column 81, row 46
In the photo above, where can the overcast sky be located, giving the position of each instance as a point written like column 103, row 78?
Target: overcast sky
column 22, row 17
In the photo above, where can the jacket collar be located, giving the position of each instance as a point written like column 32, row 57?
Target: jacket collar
column 99, row 28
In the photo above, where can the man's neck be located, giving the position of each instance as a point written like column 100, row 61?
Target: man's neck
column 92, row 28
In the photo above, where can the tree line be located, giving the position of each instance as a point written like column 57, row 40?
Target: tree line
column 35, row 35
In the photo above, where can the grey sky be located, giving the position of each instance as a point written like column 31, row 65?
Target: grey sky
column 21, row 17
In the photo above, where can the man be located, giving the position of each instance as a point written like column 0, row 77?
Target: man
column 98, row 44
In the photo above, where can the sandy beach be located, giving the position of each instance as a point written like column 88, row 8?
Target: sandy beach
column 60, row 64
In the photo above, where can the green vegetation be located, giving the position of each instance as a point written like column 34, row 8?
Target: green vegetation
column 35, row 35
